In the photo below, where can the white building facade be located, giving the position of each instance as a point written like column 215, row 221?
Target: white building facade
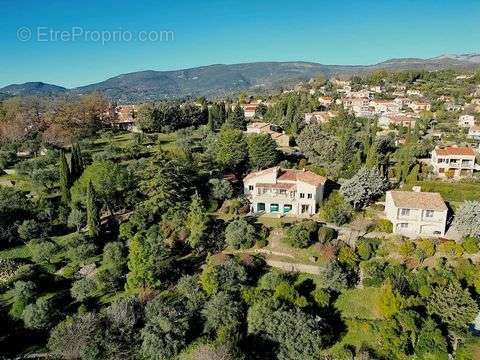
column 466, row 121
column 416, row 213
column 284, row 191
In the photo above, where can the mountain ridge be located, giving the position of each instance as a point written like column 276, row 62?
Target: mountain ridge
column 223, row 79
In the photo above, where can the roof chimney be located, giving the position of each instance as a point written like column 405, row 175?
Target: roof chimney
column 417, row 189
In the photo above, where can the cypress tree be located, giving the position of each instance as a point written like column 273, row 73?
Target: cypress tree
column 93, row 217
column 65, row 178
column 211, row 122
column 222, row 114
column 372, row 161
column 77, row 162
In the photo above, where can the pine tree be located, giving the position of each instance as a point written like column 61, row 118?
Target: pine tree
column 65, row 179
column 93, row 217
column 236, row 119
column 196, row 224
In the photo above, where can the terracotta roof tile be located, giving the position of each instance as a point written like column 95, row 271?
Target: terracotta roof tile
column 454, row 150
column 291, row 175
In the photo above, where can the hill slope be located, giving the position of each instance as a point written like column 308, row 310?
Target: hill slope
column 32, row 88
column 219, row 79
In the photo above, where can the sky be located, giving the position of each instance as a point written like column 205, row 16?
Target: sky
column 72, row 43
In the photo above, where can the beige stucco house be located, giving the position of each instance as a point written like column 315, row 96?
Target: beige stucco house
column 416, row 213
column 284, row 191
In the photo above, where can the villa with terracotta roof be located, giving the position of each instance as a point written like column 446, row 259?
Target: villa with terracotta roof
column 453, row 162
column 249, row 110
column 284, row 191
column 416, row 213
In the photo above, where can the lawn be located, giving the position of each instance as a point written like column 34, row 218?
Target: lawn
column 19, row 252
column 454, row 192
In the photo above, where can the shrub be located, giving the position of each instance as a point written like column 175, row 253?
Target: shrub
column 470, row 244
column 450, row 247
column 261, row 243
column 240, row 234
column 42, row 251
column 384, row 225
column 326, row 234
column 321, row 297
column 406, row 248
column 425, row 248
column 346, row 255
column 364, row 250
column 336, row 210
column 83, row 289
column 29, row 229
column 38, row 315
column 301, row 235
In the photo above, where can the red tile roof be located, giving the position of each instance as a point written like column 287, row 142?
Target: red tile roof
column 455, row 150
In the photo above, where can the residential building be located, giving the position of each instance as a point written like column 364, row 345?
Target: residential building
column 284, row 191
column 418, row 106
column 474, row 132
column 325, row 100
column 318, row 117
column 124, row 118
column 416, row 213
column 406, row 120
column 413, row 92
column 453, row 162
column 249, row 110
column 282, row 139
column 359, row 106
column 385, row 106
column 466, row 121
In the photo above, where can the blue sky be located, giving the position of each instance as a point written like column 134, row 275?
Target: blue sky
column 214, row 31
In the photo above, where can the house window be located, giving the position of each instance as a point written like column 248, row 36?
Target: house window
column 250, row 187
column 403, row 225
column 305, row 209
column 309, row 196
column 283, row 192
column 273, row 207
column 441, row 170
column 302, row 196
column 404, row 212
column 287, row 208
column 261, row 207
column 429, row 213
